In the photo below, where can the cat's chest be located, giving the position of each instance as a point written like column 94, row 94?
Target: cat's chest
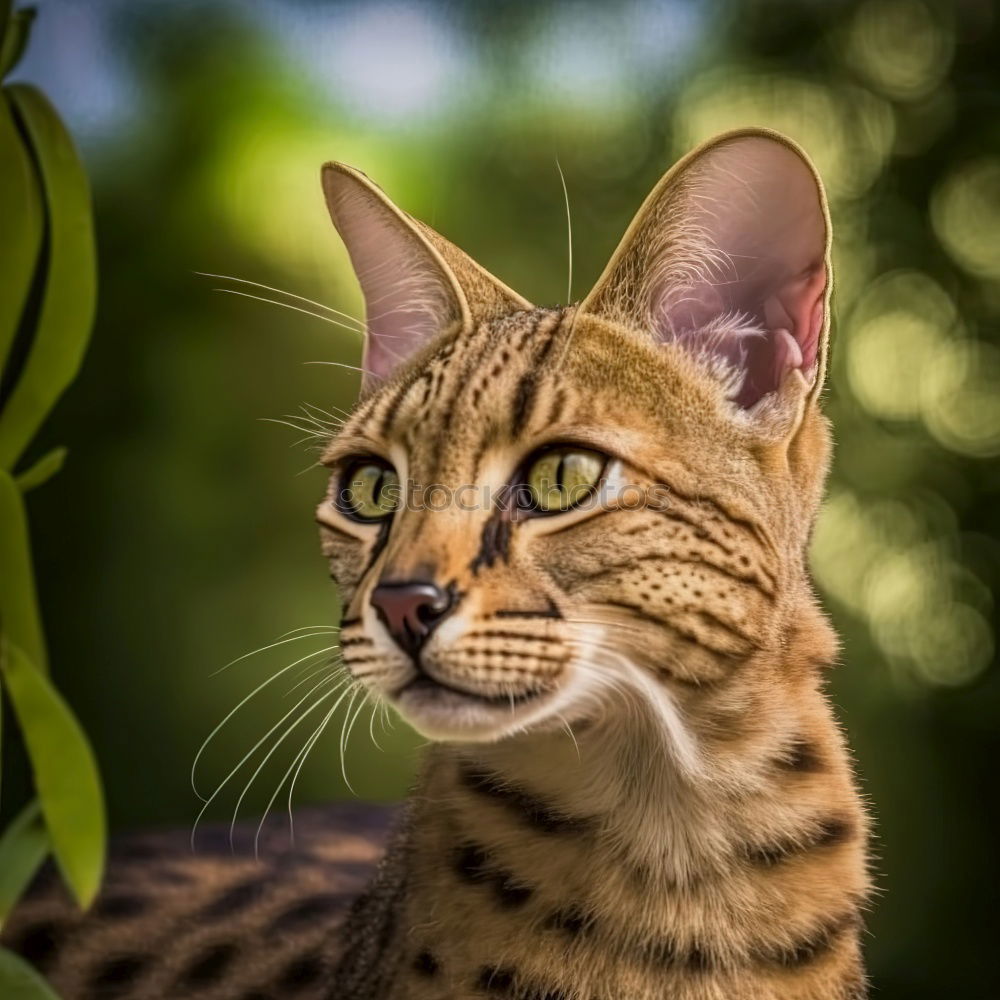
column 551, row 916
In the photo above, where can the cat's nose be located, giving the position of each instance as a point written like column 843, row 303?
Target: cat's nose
column 411, row 610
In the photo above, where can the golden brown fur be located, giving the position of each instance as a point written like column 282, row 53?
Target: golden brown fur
column 638, row 789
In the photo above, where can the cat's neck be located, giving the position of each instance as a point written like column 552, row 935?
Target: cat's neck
column 592, row 863
column 614, row 788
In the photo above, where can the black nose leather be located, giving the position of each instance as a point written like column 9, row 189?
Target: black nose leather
column 411, row 610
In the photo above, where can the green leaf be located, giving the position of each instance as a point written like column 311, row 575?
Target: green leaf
column 19, row 981
column 43, row 470
column 69, row 297
column 19, row 618
column 23, row 847
column 23, row 218
column 15, row 37
column 65, row 773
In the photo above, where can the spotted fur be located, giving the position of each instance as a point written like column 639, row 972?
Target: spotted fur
column 665, row 808
column 212, row 924
column 637, row 788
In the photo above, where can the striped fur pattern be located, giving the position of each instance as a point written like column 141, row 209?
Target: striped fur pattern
column 636, row 788
column 721, row 860
column 641, row 791
column 214, row 923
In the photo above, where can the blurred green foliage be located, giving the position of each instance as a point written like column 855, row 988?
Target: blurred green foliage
column 47, row 293
column 179, row 535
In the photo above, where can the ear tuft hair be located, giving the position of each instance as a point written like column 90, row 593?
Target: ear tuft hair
column 729, row 258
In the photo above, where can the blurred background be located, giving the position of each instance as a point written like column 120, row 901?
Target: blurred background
column 180, row 534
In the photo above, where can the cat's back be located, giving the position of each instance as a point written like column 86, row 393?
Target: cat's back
column 210, row 924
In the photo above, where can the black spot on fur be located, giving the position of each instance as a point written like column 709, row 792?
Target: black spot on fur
column 166, row 875
column 511, row 893
column 835, row 830
column 473, row 864
column 301, row 973
column 531, row 810
column 829, row 833
column 208, row 967
column 697, row 959
column 495, row 980
column 572, row 921
column 236, row 898
column 811, row 946
column 426, row 964
column 310, row 909
column 802, row 756
column 39, row 943
column 693, row 958
column 120, row 907
column 500, row 982
column 117, row 975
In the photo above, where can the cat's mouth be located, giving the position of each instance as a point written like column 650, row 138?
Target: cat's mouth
column 424, row 685
column 444, row 711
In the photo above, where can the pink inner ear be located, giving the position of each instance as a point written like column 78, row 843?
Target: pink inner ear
column 408, row 296
column 748, row 265
column 793, row 322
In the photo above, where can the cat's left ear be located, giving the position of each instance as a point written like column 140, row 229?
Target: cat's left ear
column 729, row 258
column 415, row 283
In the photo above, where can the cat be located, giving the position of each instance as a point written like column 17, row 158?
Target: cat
column 571, row 548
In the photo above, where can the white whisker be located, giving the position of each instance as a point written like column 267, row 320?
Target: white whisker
column 301, row 759
column 233, row 711
column 340, row 364
column 282, row 291
column 297, row 763
column 569, row 235
column 371, row 727
column 311, row 672
column 286, row 305
column 345, row 734
column 281, row 641
column 277, row 743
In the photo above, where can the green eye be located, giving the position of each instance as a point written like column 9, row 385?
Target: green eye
column 562, row 478
column 368, row 490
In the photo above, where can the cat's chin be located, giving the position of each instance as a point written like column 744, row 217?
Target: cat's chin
column 447, row 714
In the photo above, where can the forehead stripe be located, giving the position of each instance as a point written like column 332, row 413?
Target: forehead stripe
column 463, row 377
column 527, row 388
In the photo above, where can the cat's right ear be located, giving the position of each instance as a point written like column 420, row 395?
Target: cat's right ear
column 729, row 259
column 415, row 283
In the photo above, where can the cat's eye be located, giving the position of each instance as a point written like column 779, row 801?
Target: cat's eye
column 367, row 490
column 561, row 478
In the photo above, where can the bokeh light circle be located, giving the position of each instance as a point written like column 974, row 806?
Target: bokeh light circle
column 900, row 47
column 965, row 212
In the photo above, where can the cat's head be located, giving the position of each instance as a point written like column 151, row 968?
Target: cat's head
column 537, row 514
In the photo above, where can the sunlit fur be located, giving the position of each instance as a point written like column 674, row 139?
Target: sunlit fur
column 643, row 793
column 686, row 659
column 665, row 668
